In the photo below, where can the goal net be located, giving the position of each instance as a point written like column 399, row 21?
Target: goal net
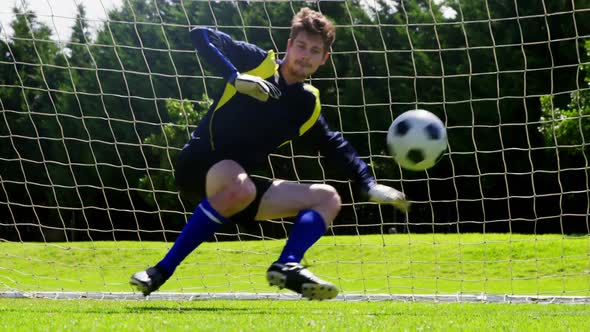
column 96, row 100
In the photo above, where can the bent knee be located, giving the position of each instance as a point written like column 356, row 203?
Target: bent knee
column 234, row 196
column 329, row 201
column 247, row 189
column 241, row 193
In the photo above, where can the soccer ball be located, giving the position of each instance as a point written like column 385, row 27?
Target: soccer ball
column 417, row 140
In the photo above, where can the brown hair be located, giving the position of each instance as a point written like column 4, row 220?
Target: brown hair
column 314, row 23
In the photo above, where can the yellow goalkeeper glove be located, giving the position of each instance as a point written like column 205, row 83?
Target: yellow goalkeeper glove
column 386, row 195
column 256, row 87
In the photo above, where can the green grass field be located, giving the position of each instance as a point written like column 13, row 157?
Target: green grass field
column 93, row 315
column 445, row 264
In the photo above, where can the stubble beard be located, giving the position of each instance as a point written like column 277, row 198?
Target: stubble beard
column 299, row 74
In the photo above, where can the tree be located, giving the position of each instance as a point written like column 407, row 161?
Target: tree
column 98, row 122
column 568, row 128
column 34, row 148
column 566, row 132
column 159, row 183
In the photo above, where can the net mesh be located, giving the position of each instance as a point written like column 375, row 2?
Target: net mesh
column 93, row 114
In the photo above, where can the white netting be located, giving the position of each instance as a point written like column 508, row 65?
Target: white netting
column 93, row 116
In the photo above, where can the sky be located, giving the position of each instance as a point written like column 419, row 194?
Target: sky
column 60, row 14
column 57, row 14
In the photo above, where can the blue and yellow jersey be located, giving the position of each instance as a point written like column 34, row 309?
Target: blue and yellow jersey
column 246, row 130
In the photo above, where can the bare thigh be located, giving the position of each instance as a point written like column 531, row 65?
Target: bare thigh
column 285, row 199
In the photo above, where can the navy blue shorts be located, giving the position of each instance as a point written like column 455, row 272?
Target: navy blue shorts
column 191, row 167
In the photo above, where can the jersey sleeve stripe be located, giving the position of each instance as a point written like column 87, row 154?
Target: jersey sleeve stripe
column 316, row 111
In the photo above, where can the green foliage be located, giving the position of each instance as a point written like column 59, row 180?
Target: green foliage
column 29, row 100
column 568, row 128
column 165, row 145
column 90, row 121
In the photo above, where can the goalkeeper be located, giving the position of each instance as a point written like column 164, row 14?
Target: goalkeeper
column 264, row 104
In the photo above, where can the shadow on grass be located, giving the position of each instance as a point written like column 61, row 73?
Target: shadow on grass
column 245, row 310
column 84, row 307
column 159, row 310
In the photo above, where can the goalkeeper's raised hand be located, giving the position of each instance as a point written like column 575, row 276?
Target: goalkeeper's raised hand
column 381, row 194
column 256, row 87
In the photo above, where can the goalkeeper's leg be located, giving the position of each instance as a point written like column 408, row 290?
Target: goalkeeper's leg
column 231, row 191
column 200, row 227
column 315, row 206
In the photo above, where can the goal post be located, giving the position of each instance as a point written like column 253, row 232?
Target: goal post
column 92, row 119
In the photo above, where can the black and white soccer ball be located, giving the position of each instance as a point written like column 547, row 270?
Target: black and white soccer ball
column 417, row 140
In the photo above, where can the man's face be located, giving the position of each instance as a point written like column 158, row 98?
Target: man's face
column 305, row 53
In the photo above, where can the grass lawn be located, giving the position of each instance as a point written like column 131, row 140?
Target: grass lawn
column 298, row 315
column 373, row 264
column 412, row 264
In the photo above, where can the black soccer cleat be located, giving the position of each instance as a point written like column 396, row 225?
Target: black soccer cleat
column 297, row 278
column 148, row 281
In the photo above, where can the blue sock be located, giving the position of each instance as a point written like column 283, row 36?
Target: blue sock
column 308, row 228
column 204, row 222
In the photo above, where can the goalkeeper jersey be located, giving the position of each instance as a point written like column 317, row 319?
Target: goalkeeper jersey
column 247, row 130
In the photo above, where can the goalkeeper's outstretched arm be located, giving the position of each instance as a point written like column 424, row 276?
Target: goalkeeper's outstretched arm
column 336, row 148
column 230, row 58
